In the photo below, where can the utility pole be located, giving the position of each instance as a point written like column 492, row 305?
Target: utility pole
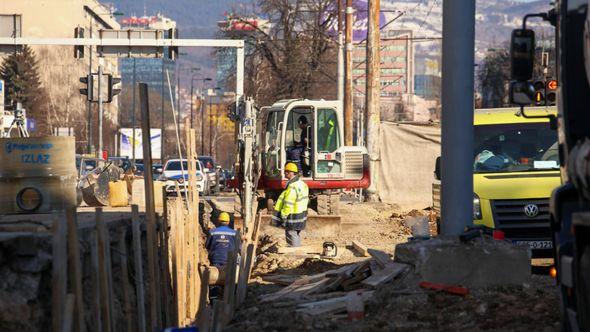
column 348, row 122
column 162, row 130
column 340, row 57
column 457, row 116
column 373, row 93
column 210, row 124
column 203, row 123
column 100, row 110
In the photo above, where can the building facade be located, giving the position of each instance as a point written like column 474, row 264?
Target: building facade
column 59, row 71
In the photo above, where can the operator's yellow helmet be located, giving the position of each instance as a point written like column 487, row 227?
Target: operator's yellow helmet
column 291, row 167
column 223, row 218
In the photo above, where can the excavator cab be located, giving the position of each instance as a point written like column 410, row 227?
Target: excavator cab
column 310, row 133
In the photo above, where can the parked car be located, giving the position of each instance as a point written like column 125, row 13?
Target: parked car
column 172, row 173
column 138, row 170
column 225, row 176
column 212, row 173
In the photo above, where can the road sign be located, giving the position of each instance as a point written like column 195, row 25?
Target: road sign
column 31, row 125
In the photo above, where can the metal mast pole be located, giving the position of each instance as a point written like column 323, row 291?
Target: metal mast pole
column 203, row 124
column 133, row 117
column 373, row 93
column 348, row 105
column 100, row 110
column 89, row 124
column 457, row 115
column 340, row 57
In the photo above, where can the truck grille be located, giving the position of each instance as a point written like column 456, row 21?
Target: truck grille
column 510, row 217
column 353, row 164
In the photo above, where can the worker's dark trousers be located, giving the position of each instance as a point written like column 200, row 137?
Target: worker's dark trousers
column 293, row 238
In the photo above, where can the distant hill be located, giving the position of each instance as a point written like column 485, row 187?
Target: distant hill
column 494, row 21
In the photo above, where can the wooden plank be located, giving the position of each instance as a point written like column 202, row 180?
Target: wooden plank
column 381, row 257
column 229, row 290
column 299, row 250
column 68, row 319
column 218, row 316
column 381, row 277
column 360, row 248
column 329, row 306
column 157, row 281
column 75, row 269
column 103, row 277
column 109, row 269
column 136, row 224
column 204, row 315
column 150, row 212
column 165, row 262
column 59, row 272
column 181, row 261
column 122, row 248
column 245, row 274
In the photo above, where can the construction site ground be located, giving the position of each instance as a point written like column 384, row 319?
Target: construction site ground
column 400, row 304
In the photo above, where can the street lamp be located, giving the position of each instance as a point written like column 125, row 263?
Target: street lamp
column 211, row 119
column 207, row 79
column 180, row 69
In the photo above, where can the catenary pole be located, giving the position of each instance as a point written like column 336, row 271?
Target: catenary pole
column 457, row 116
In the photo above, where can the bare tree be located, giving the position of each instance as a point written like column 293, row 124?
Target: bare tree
column 294, row 56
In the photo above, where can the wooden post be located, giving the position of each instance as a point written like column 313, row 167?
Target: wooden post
column 59, row 272
column 164, row 261
column 150, row 213
column 68, row 319
column 103, row 278
column 218, row 315
column 125, row 279
column 95, row 283
column 245, row 274
column 180, row 261
column 348, row 63
column 157, row 279
column 136, row 223
column 75, row 269
column 373, row 93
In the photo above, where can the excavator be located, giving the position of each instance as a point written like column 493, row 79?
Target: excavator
column 570, row 202
column 326, row 165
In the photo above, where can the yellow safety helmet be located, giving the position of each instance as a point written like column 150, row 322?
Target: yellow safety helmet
column 223, row 218
column 291, row 167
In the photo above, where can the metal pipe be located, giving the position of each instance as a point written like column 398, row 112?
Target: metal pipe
column 457, row 116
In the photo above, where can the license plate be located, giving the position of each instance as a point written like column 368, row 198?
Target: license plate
column 536, row 244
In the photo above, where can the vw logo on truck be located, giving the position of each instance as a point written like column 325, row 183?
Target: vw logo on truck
column 531, row 210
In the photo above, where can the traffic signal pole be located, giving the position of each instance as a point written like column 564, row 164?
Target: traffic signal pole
column 100, row 110
column 457, row 116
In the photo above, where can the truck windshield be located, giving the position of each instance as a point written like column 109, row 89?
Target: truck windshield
column 515, row 147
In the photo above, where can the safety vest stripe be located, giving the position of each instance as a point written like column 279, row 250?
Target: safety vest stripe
column 302, row 198
column 297, row 216
column 223, row 233
column 289, row 203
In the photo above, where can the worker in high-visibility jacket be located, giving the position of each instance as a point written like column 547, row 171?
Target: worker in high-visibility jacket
column 291, row 207
column 222, row 240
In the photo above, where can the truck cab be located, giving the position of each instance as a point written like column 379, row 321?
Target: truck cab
column 326, row 164
column 515, row 169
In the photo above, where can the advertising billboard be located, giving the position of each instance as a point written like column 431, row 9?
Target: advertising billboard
column 127, row 143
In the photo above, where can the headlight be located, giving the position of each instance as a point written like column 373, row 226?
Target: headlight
column 180, row 180
column 476, row 207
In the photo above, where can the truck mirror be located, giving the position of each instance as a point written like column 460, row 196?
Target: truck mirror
column 521, row 93
column 522, row 54
column 437, row 168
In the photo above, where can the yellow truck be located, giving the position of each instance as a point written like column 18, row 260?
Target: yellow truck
column 515, row 169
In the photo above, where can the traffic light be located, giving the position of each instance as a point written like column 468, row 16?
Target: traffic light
column 539, row 96
column 551, row 92
column 113, row 91
column 88, row 91
column 173, row 50
column 79, row 49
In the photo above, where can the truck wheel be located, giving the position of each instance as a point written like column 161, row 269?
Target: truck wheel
column 583, row 289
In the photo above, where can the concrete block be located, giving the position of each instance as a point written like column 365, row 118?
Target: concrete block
column 479, row 263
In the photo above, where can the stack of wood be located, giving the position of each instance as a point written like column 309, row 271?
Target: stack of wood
column 326, row 292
